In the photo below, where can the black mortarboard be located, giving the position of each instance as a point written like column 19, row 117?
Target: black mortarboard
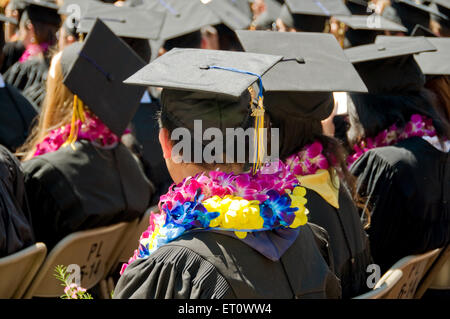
column 435, row 62
column 243, row 6
column 410, row 13
column 42, row 11
column 182, row 17
column 229, row 14
column 388, row 65
column 363, row 29
column 77, row 7
column 17, row 4
column 312, row 68
column 129, row 22
column 94, row 70
column 421, row 31
column 266, row 19
column 358, row 6
column 311, row 15
column 211, row 85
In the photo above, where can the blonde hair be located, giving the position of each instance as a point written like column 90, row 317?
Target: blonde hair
column 56, row 111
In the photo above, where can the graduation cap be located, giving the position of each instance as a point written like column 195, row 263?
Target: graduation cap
column 266, row 19
column 229, row 15
column 182, row 17
column 421, row 31
column 435, row 62
column 42, row 10
column 388, row 65
column 4, row 18
column 363, row 29
column 313, row 67
column 129, row 22
column 17, row 4
column 311, row 15
column 410, row 13
column 94, row 71
column 211, row 85
column 358, row 6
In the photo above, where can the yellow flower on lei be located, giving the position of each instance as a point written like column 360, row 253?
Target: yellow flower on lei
column 235, row 213
column 298, row 200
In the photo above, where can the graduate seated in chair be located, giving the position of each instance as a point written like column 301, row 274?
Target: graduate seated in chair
column 38, row 27
column 401, row 151
column 78, row 174
column 229, row 221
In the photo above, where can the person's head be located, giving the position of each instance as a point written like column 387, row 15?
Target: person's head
column 39, row 25
column 258, row 7
column 179, row 111
column 370, row 114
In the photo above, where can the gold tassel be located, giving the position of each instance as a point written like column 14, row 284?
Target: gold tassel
column 77, row 114
column 258, row 114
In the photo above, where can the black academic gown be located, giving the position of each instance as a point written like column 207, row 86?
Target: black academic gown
column 348, row 240
column 145, row 129
column 83, row 189
column 408, row 187
column 16, row 116
column 29, row 77
column 12, row 51
column 16, row 232
column 210, row 265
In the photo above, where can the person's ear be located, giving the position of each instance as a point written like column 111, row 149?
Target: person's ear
column 166, row 143
column 70, row 39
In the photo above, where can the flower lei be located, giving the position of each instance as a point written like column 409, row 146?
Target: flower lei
column 419, row 125
column 92, row 130
column 32, row 50
column 270, row 199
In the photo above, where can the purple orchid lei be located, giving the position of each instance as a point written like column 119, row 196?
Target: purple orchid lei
column 246, row 202
column 92, row 129
column 419, row 125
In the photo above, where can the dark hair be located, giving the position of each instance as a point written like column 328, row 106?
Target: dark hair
column 296, row 133
column 372, row 113
column 169, row 122
column 191, row 40
column 228, row 39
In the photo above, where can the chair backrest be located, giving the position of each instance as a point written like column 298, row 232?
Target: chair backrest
column 18, row 270
column 384, row 286
column 91, row 250
column 438, row 274
column 132, row 242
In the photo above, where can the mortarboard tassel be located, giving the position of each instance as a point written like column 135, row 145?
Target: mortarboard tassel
column 78, row 117
column 258, row 114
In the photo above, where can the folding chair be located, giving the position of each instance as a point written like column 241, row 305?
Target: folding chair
column 402, row 279
column 438, row 275
column 132, row 242
column 18, row 270
column 92, row 250
column 384, row 286
column 129, row 245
